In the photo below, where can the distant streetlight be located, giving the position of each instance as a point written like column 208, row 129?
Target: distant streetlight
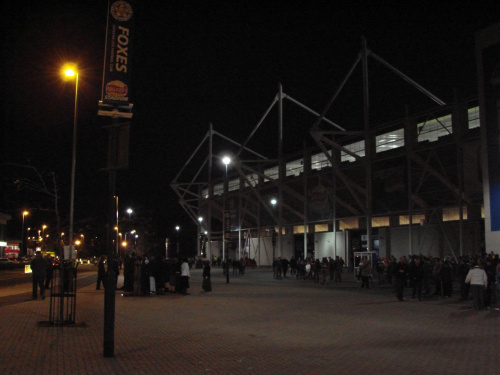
column 43, row 235
column 129, row 211
column 25, row 213
column 70, row 71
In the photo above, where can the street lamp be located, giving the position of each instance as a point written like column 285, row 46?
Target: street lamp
column 129, row 211
column 177, row 228
column 226, row 160
column 198, row 239
column 71, row 72
column 43, row 235
column 22, row 233
column 273, row 235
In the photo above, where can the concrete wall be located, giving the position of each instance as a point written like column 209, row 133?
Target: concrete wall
column 262, row 251
column 430, row 240
column 324, row 245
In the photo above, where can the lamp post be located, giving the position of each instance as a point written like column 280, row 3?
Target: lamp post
column 43, row 236
column 198, row 237
column 273, row 235
column 22, row 233
column 71, row 72
column 129, row 211
column 225, row 219
column 226, row 160
column 177, row 228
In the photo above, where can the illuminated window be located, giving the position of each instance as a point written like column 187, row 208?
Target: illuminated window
column 356, row 148
column 380, row 221
column 431, row 130
column 299, row 229
column 389, row 141
column 473, row 117
column 348, row 223
column 453, row 214
column 272, row 173
column 294, row 168
column 320, row 161
column 405, row 219
column 321, row 228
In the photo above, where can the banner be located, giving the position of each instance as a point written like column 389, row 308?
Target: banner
column 116, row 76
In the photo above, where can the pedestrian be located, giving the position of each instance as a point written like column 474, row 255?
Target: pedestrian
column 478, row 282
column 145, row 274
column 338, row 270
column 416, row 274
column 365, row 270
column 185, row 275
column 324, row 271
column 39, row 271
column 207, row 283
column 446, row 275
column 462, row 271
column 128, row 273
column 400, row 272
column 284, row 266
column 101, row 272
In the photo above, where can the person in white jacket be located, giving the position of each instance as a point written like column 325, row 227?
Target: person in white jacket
column 185, row 275
column 478, row 281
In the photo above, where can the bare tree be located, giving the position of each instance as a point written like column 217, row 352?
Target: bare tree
column 43, row 183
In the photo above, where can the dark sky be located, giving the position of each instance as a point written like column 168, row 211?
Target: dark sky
column 201, row 62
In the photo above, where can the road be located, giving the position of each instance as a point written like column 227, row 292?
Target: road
column 15, row 285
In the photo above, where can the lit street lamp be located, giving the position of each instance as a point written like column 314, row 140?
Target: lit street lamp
column 226, row 160
column 70, row 71
column 177, row 228
column 43, row 235
column 129, row 211
column 273, row 233
column 22, row 234
column 225, row 219
column 200, row 219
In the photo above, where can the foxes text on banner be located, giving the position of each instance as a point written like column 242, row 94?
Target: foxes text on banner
column 116, row 77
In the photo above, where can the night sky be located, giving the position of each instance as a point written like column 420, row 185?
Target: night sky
column 201, row 62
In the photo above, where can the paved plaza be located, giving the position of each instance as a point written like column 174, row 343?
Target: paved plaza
column 253, row 325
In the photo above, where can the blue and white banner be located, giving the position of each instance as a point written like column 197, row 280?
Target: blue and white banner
column 116, row 78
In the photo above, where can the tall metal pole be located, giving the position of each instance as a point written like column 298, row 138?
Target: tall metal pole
column 224, row 193
column 281, row 171
column 109, row 291
column 368, row 147
column 210, row 194
column 73, row 168
column 22, row 235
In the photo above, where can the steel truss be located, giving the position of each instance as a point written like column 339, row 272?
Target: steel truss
column 349, row 186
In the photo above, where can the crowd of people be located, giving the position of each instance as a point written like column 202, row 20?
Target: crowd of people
column 469, row 276
column 328, row 269
column 150, row 275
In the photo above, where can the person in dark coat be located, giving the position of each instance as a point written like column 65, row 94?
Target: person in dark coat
column 416, row 274
column 463, row 270
column 101, row 272
column 39, row 271
column 128, row 272
column 207, row 283
column 400, row 274
column 446, row 273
